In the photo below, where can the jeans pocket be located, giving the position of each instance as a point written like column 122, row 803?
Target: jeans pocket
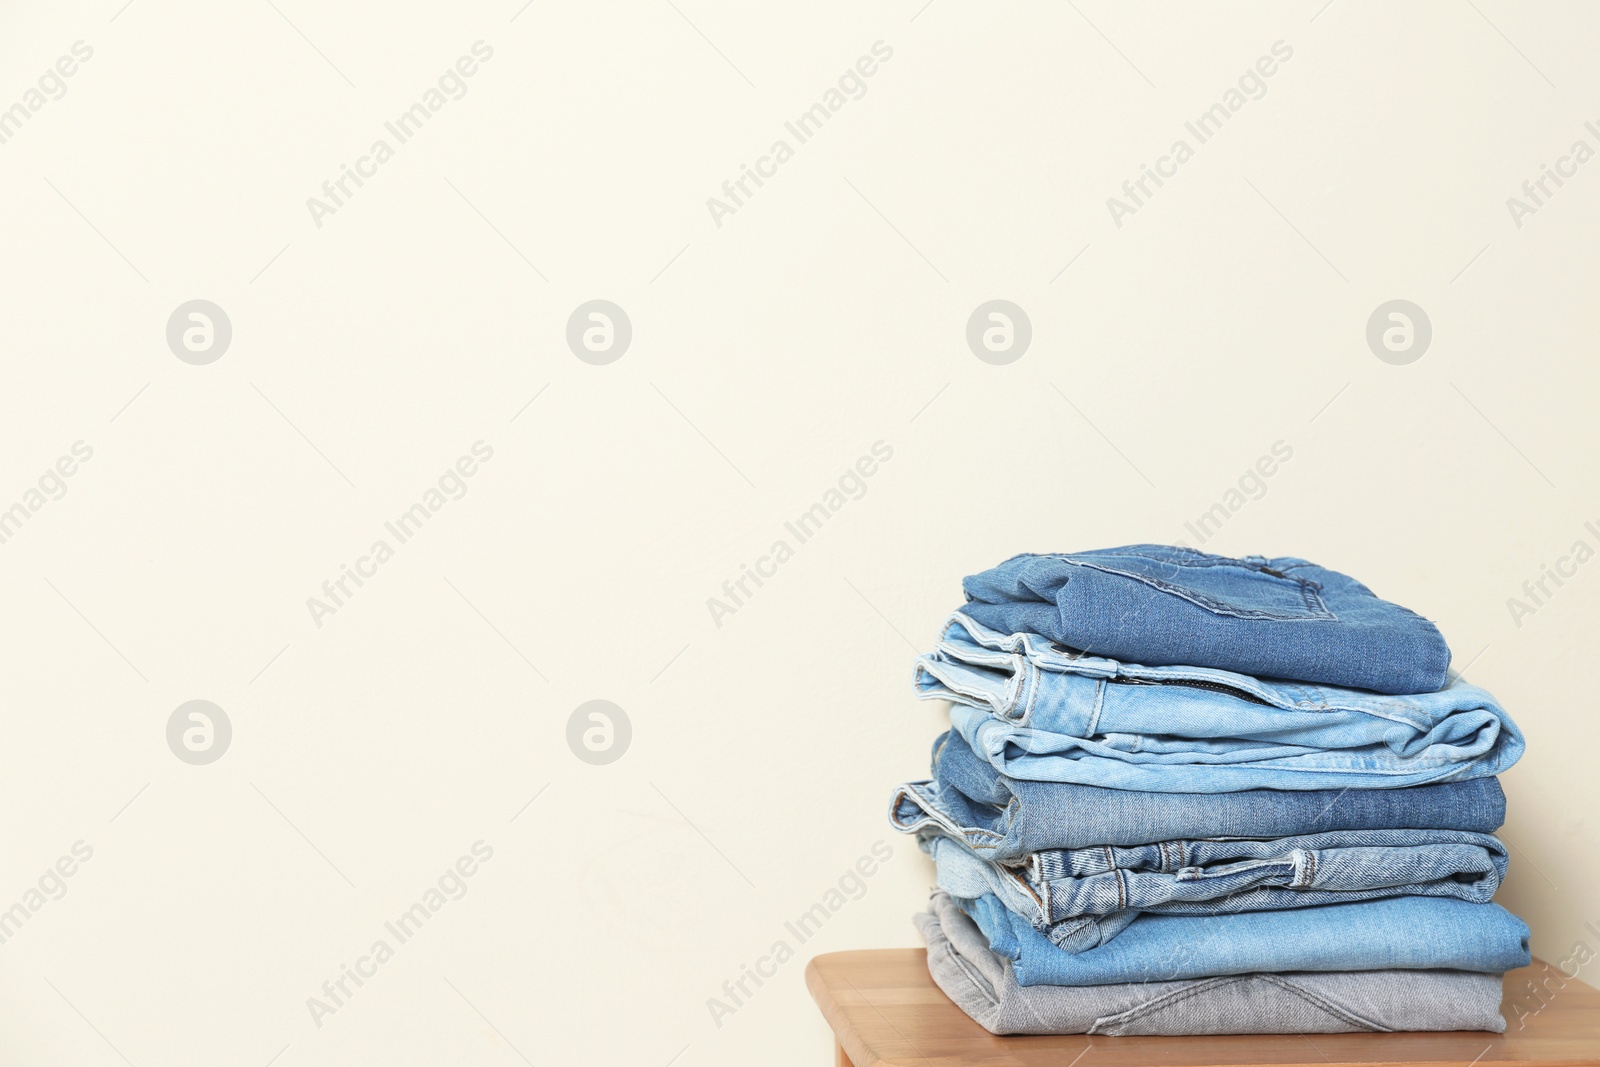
column 1234, row 588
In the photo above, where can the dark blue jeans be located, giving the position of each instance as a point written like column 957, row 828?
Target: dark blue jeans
column 1162, row 606
column 1004, row 819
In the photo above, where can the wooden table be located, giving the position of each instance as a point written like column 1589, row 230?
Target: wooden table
column 884, row 1009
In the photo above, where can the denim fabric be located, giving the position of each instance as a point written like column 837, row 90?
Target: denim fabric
column 983, row 985
column 1409, row 933
column 966, row 876
column 1082, row 898
column 1271, row 618
column 1004, row 819
column 1038, row 711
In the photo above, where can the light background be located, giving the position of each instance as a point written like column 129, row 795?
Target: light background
column 768, row 354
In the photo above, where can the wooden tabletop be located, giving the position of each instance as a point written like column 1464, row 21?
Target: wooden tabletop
column 884, row 1009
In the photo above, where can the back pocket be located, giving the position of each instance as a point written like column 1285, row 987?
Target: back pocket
column 1236, row 588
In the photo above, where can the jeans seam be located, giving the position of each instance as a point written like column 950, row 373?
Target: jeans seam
column 1323, row 1003
column 1310, row 597
column 1030, row 682
column 967, row 970
column 1288, row 987
column 1166, row 1000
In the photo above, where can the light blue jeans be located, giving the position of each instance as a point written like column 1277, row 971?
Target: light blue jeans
column 1308, row 1002
column 1402, row 932
column 1082, row 898
column 1041, row 711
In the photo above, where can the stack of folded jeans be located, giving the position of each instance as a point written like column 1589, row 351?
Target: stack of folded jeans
column 1188, row 794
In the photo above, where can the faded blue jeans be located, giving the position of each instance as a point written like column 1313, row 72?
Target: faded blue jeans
column 1082, row 898
column 1308, row 1002
column 1037, row 710
column 1271, row 618
column 1004, row 819
column 1404, row 932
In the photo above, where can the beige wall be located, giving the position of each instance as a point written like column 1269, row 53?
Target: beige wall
column 827, row 313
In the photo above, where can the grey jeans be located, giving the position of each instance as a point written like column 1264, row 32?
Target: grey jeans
column 982, row 985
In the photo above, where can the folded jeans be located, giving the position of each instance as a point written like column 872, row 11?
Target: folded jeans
column 1039, row 711
column 983, row 985
column 1398, row 932
column 1005, row 819
column 1082, row 898
column 1157, row 604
